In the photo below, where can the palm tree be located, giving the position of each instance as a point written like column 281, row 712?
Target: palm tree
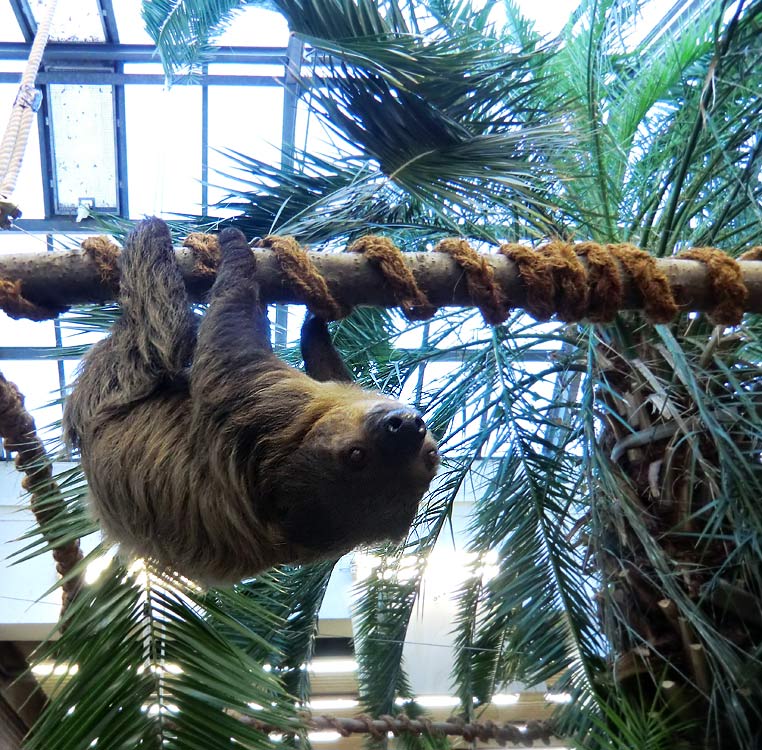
column 618, row 463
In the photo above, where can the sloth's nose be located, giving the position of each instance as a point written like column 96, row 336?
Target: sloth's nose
column 402, row 431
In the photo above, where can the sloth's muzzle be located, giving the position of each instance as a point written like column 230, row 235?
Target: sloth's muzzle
column 399, row 432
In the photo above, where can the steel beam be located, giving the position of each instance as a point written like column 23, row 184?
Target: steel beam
column 26, row 21
column 80, row 52
column 108, row 21
column 112, row 78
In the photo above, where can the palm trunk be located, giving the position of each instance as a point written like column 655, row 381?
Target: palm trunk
column 680, row 600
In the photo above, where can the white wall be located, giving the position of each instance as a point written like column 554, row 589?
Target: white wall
column 24, row 613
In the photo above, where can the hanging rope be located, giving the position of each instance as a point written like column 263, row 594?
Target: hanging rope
column 401, row 724
column 28, row 100
column 19, row 435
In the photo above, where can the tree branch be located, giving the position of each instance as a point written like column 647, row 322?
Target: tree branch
column 61, row 279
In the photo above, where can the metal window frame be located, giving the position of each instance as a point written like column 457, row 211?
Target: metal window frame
column 103, row 63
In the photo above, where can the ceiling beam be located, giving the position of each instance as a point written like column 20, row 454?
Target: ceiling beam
column 80, row 52
column 25, row 19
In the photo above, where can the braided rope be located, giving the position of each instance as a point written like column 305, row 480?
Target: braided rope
column 390, row 261
column 480, row 279
column 401, row 724
column 574, row 282
column 206, row 252
column 658, row 301
column 304, row 277
column 24, row 109
column 18, row 429
column 728, row 289
column 105, row 255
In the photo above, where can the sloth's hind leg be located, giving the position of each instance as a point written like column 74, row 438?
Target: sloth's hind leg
column 156, row 334
column 148, row 346
column 321, row 360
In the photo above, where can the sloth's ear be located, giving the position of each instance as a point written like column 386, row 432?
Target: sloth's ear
column 321, row 360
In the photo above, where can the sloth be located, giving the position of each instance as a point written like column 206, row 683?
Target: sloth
column 206, row 453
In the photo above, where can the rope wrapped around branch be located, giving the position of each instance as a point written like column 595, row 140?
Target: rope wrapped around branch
column 19, row 434
column 401, row 724
column 571, row 281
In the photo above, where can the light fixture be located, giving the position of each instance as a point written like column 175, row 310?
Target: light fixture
column 505, row 699
column 331, row 704
column 332, row 666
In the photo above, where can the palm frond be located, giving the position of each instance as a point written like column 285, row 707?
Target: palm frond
column 153, row 667
column 184, row 31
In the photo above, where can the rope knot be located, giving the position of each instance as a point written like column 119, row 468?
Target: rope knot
column 726, row 284
column 105, row 255
column 304, row 277
column 206, row 252
column 390, row 261
column 480, row 279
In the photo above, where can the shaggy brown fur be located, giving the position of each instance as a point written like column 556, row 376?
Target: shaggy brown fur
column 215, row 458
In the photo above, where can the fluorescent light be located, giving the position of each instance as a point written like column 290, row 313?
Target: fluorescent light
column 46, row 668
column 431, row 701
column 326, row 736
column 558, row 697
column 332, row 666
column 505, row 699
column 331, row 704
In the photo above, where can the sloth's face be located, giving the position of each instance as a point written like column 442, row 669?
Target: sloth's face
column 357, row 476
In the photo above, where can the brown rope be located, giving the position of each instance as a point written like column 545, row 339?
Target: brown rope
column 390, row 261
column 401, row 724
column 754, row 253
column 206, row 252
column 304, row 277
column 19, row 432
column 725, row 280
column 569, row 278
column 652, row 284
column 16, row 306
column 556, row 281
column 480, row 279
column 537, row 278
column 105, row 255
column 604, row 282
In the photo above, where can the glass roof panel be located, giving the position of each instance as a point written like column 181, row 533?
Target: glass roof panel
column 82, row 124
column 129, row 23
column 164, row 143
column 74, row 20
column 9, row 28
column 247, row 120
column 255, row 27
column 38, row 381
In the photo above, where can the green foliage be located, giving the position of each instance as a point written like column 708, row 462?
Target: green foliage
column 154, row 666
column 454, row 118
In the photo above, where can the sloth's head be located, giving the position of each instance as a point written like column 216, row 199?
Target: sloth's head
column 355, row 476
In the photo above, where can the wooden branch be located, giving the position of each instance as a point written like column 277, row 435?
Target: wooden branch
column 60, row 279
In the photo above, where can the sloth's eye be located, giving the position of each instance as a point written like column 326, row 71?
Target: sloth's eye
column 356, row 457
